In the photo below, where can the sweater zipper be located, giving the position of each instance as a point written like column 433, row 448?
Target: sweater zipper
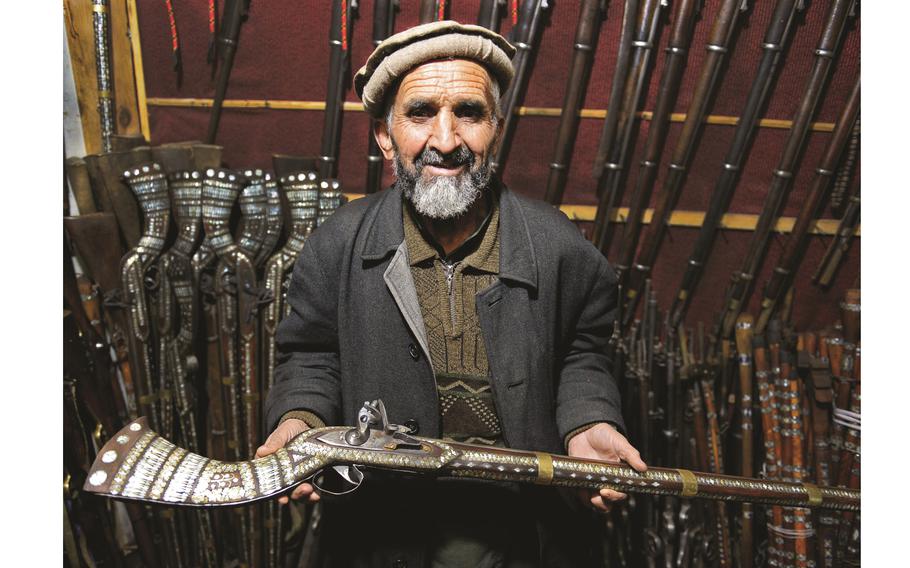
column 450, row 285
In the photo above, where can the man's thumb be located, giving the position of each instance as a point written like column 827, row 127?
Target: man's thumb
column 271, row 445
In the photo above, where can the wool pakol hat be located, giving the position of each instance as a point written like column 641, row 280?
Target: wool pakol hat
column 400, row 53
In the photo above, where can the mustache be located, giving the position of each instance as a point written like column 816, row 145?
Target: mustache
column 431, row 157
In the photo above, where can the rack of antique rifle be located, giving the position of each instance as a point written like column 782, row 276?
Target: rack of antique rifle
column 189, row 300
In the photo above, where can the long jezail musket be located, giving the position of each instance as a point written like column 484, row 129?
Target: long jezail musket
column 149, row 184
column 526, row 35
column 383, row 27
column 234, row 273
column 302, row 191
column 178, row 306
column 229, row 33
column 615, row 143
column 220, row 190
column 776, row 36
column 339, row 61
column 103, row 67
column 674, row 64
column 740, row 287
column 717, row 45
column 792, row 255
column 589, row 21
column 138, row 464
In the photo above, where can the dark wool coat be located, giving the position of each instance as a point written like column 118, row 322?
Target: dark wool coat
column 355, row 330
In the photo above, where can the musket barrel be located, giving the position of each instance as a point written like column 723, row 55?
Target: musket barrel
column 589, row 22
column 526, row 36
column 742, row 280
column 675, row 62
column 227, row 48
column 776, row 36
column 717, row 46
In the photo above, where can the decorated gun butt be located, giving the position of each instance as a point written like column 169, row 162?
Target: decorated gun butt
column 138, row 464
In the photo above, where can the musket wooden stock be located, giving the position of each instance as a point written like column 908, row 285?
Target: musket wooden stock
column 81, row 185
column 610, row 162
column 776, row 36
column 112, row 194
column 589, row 22
column 138, row 464
column 740, row 287
column 744, row 349
column 674, row 64
column 96, row 241
column 526, row 35
column 716, row 47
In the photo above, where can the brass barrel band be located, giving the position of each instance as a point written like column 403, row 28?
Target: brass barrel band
column 689, row 483
column 814, row 494
column 544, row 468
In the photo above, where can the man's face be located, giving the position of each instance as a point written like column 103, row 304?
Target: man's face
column 441, row 136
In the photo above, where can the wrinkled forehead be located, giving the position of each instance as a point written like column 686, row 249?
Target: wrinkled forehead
column 446, row 80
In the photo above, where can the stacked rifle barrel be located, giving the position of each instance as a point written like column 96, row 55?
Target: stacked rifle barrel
column 779, row 404
column 171, row 307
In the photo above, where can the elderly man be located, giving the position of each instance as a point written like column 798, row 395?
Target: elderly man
column 473, row 313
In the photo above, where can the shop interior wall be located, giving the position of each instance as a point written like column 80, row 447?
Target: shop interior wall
column 283, row 55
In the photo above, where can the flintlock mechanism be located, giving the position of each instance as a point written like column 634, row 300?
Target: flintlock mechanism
column 139, row 464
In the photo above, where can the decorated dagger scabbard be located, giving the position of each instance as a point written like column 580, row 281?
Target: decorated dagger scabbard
column 139, row 464
column 149, row 184
column 101, row 30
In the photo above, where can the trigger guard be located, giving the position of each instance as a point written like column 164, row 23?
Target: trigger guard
column 353, row 476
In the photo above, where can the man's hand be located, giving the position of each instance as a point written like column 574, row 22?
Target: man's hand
column 603, row 442
column 278, row 439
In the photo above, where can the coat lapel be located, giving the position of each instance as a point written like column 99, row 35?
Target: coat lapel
column 400, row 281
column 509, row 332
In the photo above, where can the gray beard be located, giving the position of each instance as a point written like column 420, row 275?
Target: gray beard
column 442, row 197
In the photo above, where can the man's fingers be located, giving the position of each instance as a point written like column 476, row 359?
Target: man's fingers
column 611, row 495
column 282, row 500
column 599, row 504
column 631, row 456
column 301, row 491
